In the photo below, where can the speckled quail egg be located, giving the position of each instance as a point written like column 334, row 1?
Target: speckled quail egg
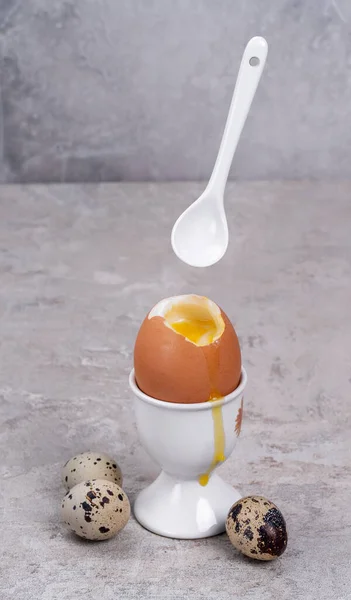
column 257, row 528
column 95, row 509
column 90, row 465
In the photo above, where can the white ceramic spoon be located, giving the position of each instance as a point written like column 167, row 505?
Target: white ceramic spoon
column 200, row 234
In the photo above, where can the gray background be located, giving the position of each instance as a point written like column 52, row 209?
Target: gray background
column 111, row 90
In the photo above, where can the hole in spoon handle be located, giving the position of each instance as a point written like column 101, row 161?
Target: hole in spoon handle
column 254, row 61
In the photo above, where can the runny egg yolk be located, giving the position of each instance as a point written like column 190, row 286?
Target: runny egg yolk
column 196, row 330
column 196, row 324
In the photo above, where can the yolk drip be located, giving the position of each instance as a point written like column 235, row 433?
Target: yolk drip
column 219, row 440
column 204, row 331
column 212, row 360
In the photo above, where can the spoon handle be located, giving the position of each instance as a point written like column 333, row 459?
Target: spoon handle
column 251, row 67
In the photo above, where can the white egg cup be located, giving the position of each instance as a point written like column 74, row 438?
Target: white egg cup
column 180, row 439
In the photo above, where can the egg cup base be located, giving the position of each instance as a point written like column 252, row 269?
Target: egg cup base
column 185, row 509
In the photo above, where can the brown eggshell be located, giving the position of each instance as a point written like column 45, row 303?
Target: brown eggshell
column 171, row 368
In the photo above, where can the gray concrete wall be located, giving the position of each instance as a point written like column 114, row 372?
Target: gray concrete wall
column 139, row 89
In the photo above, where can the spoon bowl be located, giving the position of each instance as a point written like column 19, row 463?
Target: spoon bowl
column 200, row 235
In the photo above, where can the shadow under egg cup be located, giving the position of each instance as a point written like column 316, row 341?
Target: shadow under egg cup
column 180, row 438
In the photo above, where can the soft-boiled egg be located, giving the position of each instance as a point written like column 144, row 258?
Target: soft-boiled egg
column 187, row 351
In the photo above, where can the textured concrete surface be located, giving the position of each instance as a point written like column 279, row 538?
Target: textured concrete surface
column 136, row 90
column 79, row 268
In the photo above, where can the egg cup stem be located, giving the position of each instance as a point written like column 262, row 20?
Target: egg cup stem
column 185, row 509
